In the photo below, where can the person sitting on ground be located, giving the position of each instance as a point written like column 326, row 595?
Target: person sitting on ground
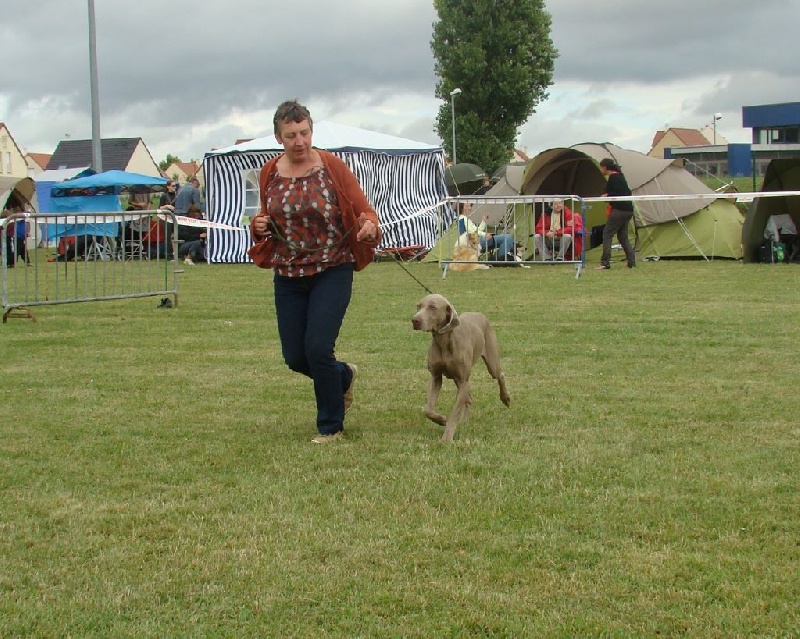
column 781, row 228
column 558, row 229
column 193, row 239
column 502, row 243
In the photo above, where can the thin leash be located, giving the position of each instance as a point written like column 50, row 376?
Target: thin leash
column 399, row 262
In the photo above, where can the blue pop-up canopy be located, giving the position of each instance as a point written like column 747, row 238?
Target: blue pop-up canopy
column 108, row 183
column 95, row 193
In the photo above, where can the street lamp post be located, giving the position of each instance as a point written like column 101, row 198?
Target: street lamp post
column 453, row 95
column 97, row 154
column 717, row 116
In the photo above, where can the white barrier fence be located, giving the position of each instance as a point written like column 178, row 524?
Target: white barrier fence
column 86, row 257
column 524, row 223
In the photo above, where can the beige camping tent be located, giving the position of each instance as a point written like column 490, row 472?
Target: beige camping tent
column 666, row 227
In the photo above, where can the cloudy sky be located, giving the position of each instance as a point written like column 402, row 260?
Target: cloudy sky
column 188, row 77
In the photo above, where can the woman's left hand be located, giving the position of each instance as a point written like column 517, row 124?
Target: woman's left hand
column 367, row 232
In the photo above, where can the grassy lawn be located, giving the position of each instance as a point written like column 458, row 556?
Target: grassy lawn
column 157, row 476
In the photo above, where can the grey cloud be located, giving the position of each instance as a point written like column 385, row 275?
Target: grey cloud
column 172, row 72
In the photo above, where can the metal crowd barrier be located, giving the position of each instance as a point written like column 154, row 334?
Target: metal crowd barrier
column 87, row 257
column 519, row 217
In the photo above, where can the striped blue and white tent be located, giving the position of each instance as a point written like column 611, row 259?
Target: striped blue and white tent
column 403, row 179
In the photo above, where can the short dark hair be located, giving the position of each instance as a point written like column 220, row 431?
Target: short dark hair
column 609, row 164
column 291, row 111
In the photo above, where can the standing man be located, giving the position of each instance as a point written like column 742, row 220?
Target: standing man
column 189, row 195
column 619, row 214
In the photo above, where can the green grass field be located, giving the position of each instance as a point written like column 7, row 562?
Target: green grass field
column 158, row 477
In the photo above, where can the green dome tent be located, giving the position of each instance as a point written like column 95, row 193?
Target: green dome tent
column 781, row 175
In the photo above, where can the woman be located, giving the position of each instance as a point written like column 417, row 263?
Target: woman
column 167, row 199
column 502, row 242
column 559, row 229
column 318, row 227
column 619, row 214
column 193, row 239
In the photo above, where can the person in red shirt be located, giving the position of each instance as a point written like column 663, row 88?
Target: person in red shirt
column 560, row 230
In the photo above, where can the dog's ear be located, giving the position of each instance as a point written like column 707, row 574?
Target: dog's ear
column 450, row 319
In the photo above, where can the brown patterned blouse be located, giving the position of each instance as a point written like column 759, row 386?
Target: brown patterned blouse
column 310, row 235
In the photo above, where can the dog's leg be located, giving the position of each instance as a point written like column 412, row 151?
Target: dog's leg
column 491, row 355
column 434, row 387
column 460, row 410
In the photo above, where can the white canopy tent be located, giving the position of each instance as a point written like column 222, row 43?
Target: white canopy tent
column 400, row 177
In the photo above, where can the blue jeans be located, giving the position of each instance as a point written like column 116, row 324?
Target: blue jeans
column 503, row 242
column 193, row 248
column 310, row 312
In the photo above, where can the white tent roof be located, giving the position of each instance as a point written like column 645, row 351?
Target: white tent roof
column 336, row 137
column 58, row 175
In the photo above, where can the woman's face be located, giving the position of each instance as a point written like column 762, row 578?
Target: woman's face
column 466, row 208
column 296, row 140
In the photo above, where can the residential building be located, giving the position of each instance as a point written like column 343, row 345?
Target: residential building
column 12, row 159
column 121, row 154
column 182, row 171
column 37, row 162
column 675, row 137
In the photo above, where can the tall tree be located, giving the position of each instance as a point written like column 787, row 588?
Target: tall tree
column 499, row 53
column 168, row 161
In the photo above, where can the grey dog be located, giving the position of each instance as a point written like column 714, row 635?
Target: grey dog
column 458, row 341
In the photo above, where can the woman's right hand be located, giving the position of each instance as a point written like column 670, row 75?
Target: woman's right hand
column 260, row 225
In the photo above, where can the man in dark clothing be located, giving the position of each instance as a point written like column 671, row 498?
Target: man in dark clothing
column 188, row 196
column 167, row 200
column 619, row 214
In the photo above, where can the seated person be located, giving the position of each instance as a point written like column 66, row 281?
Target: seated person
column 503, row 243
column 73, row 247
column 193, row 239
column 155, row 239
column 133, row 231
column 559, row 229
column 781, row 228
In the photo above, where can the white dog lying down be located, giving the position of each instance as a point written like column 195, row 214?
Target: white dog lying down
column 466, row 249
column 458, row 341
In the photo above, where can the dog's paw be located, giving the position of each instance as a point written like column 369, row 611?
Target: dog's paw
column 436, row 417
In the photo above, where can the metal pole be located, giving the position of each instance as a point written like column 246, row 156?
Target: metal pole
column 453, row 95
column 453, row 113
column 97, row 153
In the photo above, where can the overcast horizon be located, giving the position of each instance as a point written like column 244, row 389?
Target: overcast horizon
column 625, row 70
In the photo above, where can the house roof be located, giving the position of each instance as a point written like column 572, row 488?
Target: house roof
column 3, row 126
column 687, row 137
column 40, row 158
column 188, row 168
column 117, row 152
